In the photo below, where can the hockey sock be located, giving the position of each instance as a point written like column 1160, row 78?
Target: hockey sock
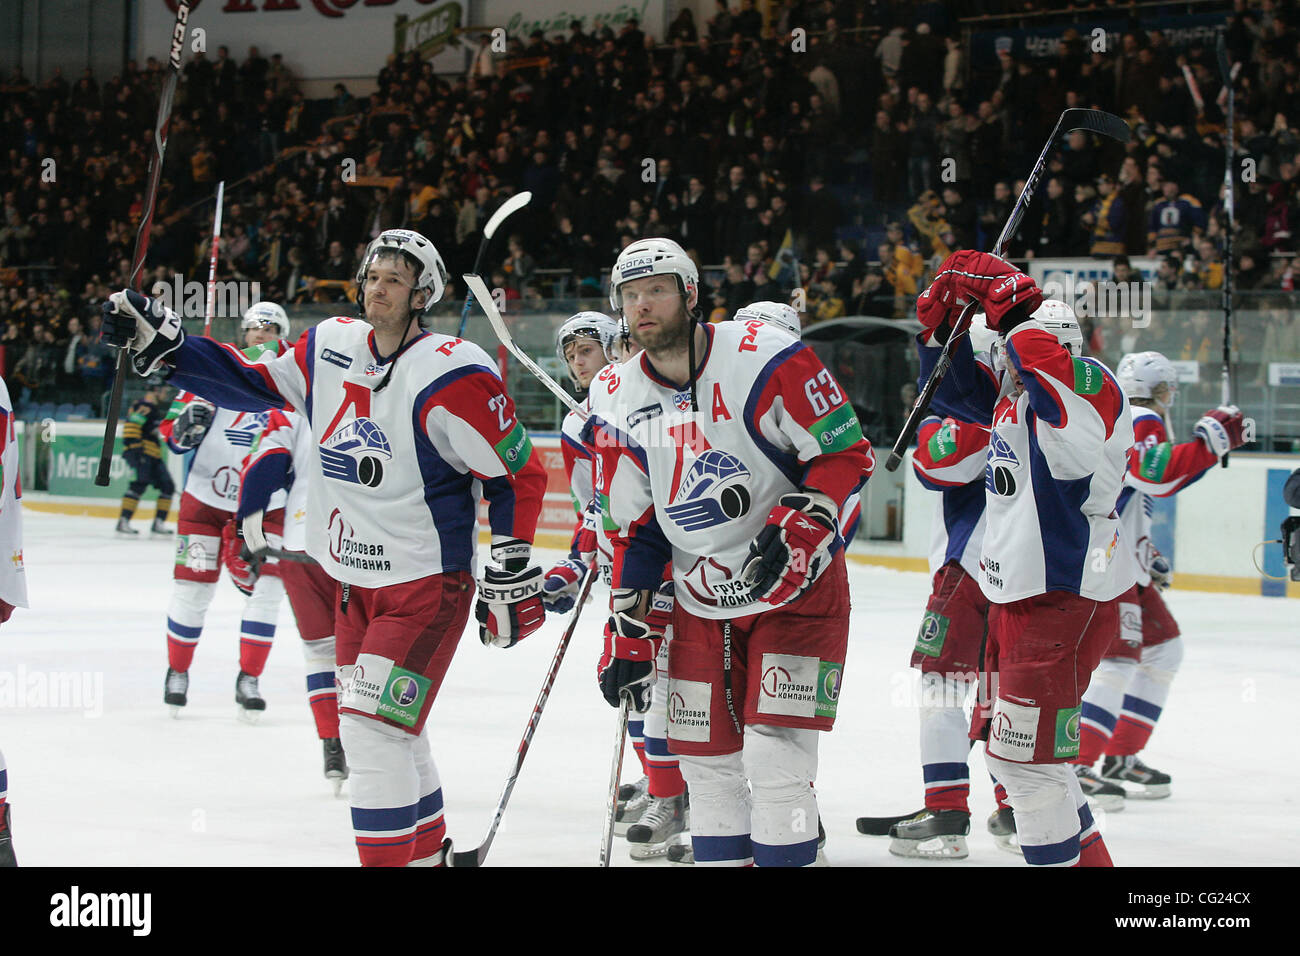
column 190, row 600
column 1047, row 817
column 430, row 828
column 257, row 629
column 1092, row 848
column 164, row 507
column 1146, row 698
column 1101, row 706
column 999, row 793
column 636, row 731
column 945, row 742
column 660, row 764
column 322, row 692
column 383, row 787
column 720, row 810
column 781, row 763
column 129, row 504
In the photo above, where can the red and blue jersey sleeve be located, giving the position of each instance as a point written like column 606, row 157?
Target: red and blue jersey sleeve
column 949, row 453
column 1156, row 466
column 799, row 416
column 268, row 466
column 254, row 380
column 969, row 390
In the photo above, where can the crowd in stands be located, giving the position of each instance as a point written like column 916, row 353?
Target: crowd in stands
column 846, row 165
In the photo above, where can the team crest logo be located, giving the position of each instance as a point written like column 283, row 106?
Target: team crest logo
column 712, row 492
column 998, row 474
column 356, row 453
column 246, row 429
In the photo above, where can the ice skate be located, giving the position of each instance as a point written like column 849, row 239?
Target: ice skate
column 880, row 826
column 251, row 704
column 175, row 689
column 336, row 764
column 159, row 528
column 1139, row 781
column 632, row 806
column 124, row 527
column 1101, row 794
column 932, row 835
column 1002, row 824
column 664, row 819
column 7, row 857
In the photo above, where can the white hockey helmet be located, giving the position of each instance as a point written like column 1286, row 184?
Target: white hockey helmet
column 649, row 257
column 1141, row 373
column 430, row 273
column 618, row 341
column 596, row 326
column 1058, row 318
column 262, row 314
column 777, row 314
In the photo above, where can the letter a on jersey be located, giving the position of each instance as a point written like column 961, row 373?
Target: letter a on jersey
column 720, row 412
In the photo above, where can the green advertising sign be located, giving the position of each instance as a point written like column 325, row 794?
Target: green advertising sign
column 73, row 461
column 428, row 33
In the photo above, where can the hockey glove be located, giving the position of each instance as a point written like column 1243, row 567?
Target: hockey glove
column 937, row 308
column 509, row 605
column 997, row 284
column 1162, row 575
column 1221, row 429
column 243, row 573
column 659, row 616
column 560, row 589
column 142, row 325
column 792, row 549
column 192, row 424
column 627, row 665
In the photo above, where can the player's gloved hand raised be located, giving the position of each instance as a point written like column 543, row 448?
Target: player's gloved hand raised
column 1162, row 575
column 998, row 285
column 938, row 306
column 792, row 549
column 561, row 586
column 192, row 424
column 509, row 605
column 627, row 664
column 1221, row 429
column 142, row 325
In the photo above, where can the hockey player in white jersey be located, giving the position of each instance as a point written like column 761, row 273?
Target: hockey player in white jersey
column 1051, row 562
column 729, row 450
column 218, row 440
column 281, row 458
column 411, row 429
column 1128, row 692
column 13, row 575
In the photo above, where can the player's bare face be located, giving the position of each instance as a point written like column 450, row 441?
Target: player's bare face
column 585, row 358
column 259, row 336
column 387, row 289
column 655, row 313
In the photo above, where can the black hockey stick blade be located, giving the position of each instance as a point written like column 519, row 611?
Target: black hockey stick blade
column 1098, row 121
column 880, row 826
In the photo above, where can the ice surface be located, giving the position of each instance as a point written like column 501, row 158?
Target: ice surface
column 109, row 778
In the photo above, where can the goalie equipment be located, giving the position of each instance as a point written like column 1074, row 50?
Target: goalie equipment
column 430, row 273
column 262, row 314
column 776, row 314
column 1140, row 374
column 596, row 326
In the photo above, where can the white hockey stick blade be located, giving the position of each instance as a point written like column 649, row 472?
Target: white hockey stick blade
column 508, row 208
column 485, row 302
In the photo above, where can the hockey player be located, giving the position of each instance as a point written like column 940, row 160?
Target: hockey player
column 141, row 450
column 1129, row 690
column 651, row 812
column 13, row 576
column 281, row 459
column 729, row 450
column 220, row 440
column 410, row 428
column 1050, row 562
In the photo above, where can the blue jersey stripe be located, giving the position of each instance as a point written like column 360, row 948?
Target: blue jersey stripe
column 1064, row 526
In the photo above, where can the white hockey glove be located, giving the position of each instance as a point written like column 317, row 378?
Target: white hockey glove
column 509, row 605
column 1162, row 575
column 142, row 325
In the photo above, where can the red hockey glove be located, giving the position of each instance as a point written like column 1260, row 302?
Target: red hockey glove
column 1221, row 429
column 996, row 283
column 792, row 550
column 938, row 305
column 659, row 616
column 627, row 665
column 243, row 573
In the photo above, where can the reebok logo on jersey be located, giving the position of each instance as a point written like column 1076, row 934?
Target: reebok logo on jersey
column 336, row 358
column 644, row 415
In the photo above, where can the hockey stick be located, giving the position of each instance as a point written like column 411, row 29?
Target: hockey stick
column 212, row 262
column 114, row 410
column 479, row 290
column 507, row 209
column 1228, row 201
column 477, row 856
column 615, row 772
column 1095, row 121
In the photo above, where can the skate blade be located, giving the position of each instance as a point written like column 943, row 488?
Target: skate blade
column 648, row 851
column 1008, row 842
column 946, row 847
column 249, row 716
column 1138, row 791
column 175, row 710
column 1109, row 802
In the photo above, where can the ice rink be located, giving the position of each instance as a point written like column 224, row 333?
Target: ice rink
column 101, row 775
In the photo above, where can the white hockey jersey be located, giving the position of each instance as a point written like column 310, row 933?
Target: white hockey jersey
column 212, row 473
column 697, row 488
column 1056, row 462
column 396, row 473
column 13, row 574
column 288, row 434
